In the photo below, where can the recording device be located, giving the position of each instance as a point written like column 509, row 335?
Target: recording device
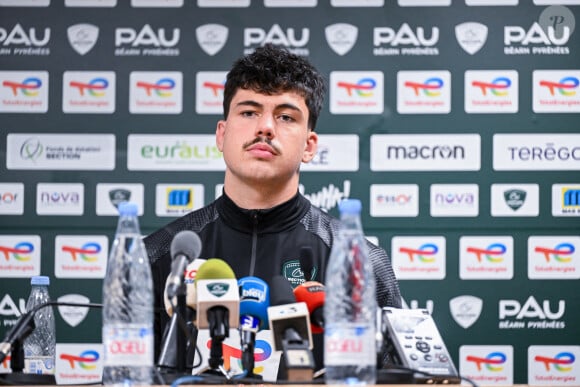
column 185, row 247
column 254, row 302
column 290, row 324
column 313, row 294
column 413, row 341
column 218, row 306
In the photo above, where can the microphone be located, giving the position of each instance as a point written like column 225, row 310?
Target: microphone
column 290, row 324
column 254, row 302
column 313, row 294
column 185, row 247
column 218, row 306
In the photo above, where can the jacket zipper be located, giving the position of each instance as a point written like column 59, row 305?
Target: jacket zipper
column 254, row 243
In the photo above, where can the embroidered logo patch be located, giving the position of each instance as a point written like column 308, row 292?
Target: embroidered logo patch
column 292, row 272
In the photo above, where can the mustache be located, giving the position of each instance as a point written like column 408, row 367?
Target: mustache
column 262, row 139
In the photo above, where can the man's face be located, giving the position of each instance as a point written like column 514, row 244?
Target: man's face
column 266, row 137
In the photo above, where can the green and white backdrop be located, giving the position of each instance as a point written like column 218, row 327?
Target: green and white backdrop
column 456, row 122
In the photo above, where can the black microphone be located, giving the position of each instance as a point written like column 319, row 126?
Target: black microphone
column 185, row 247
column 290, row 325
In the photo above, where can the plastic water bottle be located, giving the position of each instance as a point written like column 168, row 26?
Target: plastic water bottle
column 39, row 346
column 128, row 306
column 350, row 304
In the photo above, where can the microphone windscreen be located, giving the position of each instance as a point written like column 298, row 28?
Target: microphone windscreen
column 215, row 268
column 254, row 299
column 190, row 292
column 186, row 243
column 313, row 294
column 281, row 291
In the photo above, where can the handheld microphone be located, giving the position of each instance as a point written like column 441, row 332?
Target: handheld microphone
column 254, row 302
column 185, row 247
column 290, row 324
column 218, row 306
column 313, row 294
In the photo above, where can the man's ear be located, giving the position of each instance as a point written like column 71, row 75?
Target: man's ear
column 311, row 147
column 219, row 134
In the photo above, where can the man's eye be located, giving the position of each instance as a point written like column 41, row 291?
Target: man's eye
column 286, row 118
column 248, row 113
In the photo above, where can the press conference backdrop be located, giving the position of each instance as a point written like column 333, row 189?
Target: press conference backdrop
column 456, row 122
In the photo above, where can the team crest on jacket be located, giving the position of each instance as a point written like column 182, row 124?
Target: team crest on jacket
column 293, row 273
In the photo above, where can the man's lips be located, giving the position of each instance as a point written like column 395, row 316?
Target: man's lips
column 261, row 149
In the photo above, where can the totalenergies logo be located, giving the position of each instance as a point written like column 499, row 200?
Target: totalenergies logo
column 21, row 251
column 566, row 86
column 28, row 87
column 431, row 87
column 561, row 253
column 215, row 87
column 161, row 87
column 493, row 253
column 562, row 361
column 263, row 352
column 497, row 87
column 85, row 360
column 95, row 87
column 492, row 361
column 87, row 252
column 425, row 253
column 362, row 88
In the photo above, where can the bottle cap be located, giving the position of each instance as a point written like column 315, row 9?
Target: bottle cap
column 350, row 206
column 127, row 208
column 40, row 280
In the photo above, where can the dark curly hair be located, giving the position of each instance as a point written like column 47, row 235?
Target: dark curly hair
column 272, row 70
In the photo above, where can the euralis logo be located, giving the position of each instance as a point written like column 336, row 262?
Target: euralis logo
column 181, row 150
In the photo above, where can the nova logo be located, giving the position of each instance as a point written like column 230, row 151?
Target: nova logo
column 425, row 253
column 430, row 88
column 492, row 361
column 85, row 360
column 562, row 361
column 87, row 252
column 566, row 86
column 28, row 87
column 276, row 35
column 146, row 37
column 493, row 252
column 498, row 87
column 59, row 197
column 18, row 36
column 362, row 88
column 94, row 87
column 561, row 253
column 161, row 87
column 20, row 252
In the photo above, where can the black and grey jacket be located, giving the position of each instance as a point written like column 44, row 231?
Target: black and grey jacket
column 261, row 243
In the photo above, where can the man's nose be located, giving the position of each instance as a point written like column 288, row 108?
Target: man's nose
column 265, row 126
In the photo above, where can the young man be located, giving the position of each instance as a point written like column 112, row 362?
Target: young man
column 272, row 100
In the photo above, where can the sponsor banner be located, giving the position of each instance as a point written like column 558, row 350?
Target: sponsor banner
column 335, row 153
column 405, row 40
column 553, row 365
column 471, row 36
column 454, row 200
column 173, row 152
column 60, row 199
column 491, row 91
column 425, row 152
column 421, row 257
column 465, row 310
column 534, row 314
column 293, row 39
column 486, row 257
column 565, row 199
column 155, row 92
column 19, row 256
column 556, row 91
column 36, row 151
column 79, row 363
column 209, row 92
column 424, row 3
column 423, row 92
column 491, row 2
column 554, row 257
column 110, row 195
column 536, row 152
column 11, row 198
column 515, row 200
column 178, row 199
column 388, row 200
column 88, row 92
column 489, row 365
column 356, row 92
column 81, row 256
column 557, row 2
column 73, row 315
column 23, row 91
column 148, row 41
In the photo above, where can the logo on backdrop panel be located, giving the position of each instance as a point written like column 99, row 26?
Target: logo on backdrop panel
column 471, row 36
column 335, row 153
column 223, row 3
column 73, row 315
column 157, row 3
column 532, row 314
column 11, row 198
column 90, row 3
column 60, row 199
column 465, row 310
column 110, row 195
column 421, row 257
column 547, row 36
column 88, row 92
column 24, row 41
column 178, row 199
column 82, row 256
column 290, row 3
column 424, row 3
column 293, row 39
column 328, row 197
column 425, row 152
column 356, row 92
column 491, row 91
column 341, row 37
column 155, row 92
column 454, row 200
column 79, row 363
column 565, row 199
column 23, row 91
column 405, row 40
column 536, row 152
column 515, row 200
column 486, row 257
column 423, row 92
column 211, row 37
column 147, row 41
column 554, row 257
column 19, row 256
column 82, row 37
column 490, row 365
column 394, row 200
column 24, row 3
column 357, row 3
column 553, row 365
column 556, row 91
column 209, row 92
